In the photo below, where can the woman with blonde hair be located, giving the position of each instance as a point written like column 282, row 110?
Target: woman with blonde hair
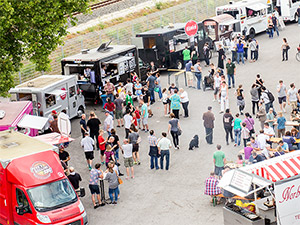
column 113, row 183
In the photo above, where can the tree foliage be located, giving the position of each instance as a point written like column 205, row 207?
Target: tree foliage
column 31, row 30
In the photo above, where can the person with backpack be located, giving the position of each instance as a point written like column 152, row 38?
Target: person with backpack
column 268, row 98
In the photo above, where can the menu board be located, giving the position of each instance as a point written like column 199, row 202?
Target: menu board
column 241, row 181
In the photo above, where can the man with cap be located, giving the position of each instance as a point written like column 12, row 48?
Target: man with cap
column 50, row 119
column 108, row 122
column 208, row 121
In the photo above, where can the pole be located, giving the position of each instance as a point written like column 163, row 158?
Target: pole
column 81, row 44
column 255, row 199
column 100, row 39
column 62, row 51
column 118, row 38
column 173, row 16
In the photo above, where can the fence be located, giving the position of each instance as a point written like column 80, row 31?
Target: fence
column 122, row 33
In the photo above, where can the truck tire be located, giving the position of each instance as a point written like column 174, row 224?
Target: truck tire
column 80, row 111
column 179, row 64
column 296, row 18
column 252, row 33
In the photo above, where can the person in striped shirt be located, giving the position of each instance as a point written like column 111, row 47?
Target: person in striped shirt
column 211, row 186
column 153, row 153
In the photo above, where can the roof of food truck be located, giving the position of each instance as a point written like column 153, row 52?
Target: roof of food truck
column 15, row 145
column 221, row 18
column 94, row 55
column 240, row 4
column 13, row 112
column 43, row 82
column 163, row 30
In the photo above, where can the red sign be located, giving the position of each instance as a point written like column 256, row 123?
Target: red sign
column 64, row 95
column 191, row 28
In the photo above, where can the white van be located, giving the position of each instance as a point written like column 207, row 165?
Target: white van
column 51, row 92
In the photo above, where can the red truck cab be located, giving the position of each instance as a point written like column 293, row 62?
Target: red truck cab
column 33, row 186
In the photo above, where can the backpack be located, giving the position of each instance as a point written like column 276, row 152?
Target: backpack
column 270, row 96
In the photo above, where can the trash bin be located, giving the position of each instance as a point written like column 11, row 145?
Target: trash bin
column 103, row 98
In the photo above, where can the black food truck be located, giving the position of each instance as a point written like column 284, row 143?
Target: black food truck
column 94, row 67
column 164, row 45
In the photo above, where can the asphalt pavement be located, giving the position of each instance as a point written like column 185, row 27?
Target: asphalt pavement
column 177, row 196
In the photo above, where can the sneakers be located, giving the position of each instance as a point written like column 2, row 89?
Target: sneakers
column 90, row 168
column 221, row 112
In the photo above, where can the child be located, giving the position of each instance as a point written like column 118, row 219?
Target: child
column 129, row 98
column 165, row 100
column 134, row 119
column 138, row 89
column 240, row 160
column 102, row 143
column 138, row 116
column 245, row 133
column 109, row 154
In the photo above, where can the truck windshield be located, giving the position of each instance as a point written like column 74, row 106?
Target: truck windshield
column 52, row 196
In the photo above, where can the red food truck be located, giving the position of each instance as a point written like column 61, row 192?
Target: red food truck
column 33, row 186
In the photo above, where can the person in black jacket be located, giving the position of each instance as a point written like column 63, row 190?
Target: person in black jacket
column 227, row 122
column 74, row 178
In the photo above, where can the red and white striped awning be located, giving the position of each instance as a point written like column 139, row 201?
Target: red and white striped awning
column 278, row 168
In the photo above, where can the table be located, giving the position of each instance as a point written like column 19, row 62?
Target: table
column 276, row 140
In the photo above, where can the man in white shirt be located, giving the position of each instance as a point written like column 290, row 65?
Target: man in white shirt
column 293, row 96
column 265, row 152
column 127, row 123
column 164, row 144
column 108, row 122
column 269, row 132
column 232, row 48
column 261, row 140
column 217, row 83
column 87, row 143
column 129, row 86
column 128, row 160
column 184, row 99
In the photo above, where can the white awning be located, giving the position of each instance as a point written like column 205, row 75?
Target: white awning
column 33, row 122
column 257, row 7
column 229, row 22
column 57, row 92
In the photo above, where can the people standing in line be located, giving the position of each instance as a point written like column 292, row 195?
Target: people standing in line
column 108, row 122
column 245, row 134
column 282, row 92
column 246, row 46
column 144, row 115
column 158, row 87
column 184, row 99
column 113, row 183
column 174, row 127
column 219, row 161
column 165, row 101
column 271, row 118
column 293, row 96
column 128, row 86
column 189, row 74
column 275, row 24
column 134, row 139
column 109, row 106
column 147, row 100
column 127, row 123
column 194, row 55
column 127, row 150
column 138, row 88
column 231, row 72
column 237, row 128
column 83, row 126
column 175, row 103
column 249, row 123
column 217, row 84
column 252, row 46
column 232, row 48
column 206, row 50
column 115, row 142
column 285, row 50
column 74, row 178
column 198, row 74
column 227, row 122
column 109, row 88
column 281, row 124
column 240, row 52
column 87, row 143
column 261, row 115
column 164, row 145
column 186, row 55
column 151, row 82
column 270, row 27
column 119, row 110
column 153, row 152
column 240, row 98
column 94, row 125
column 224, row 100
column 221, row 57
column 95, row 175
column 254, row 97
column 208, row 122
column 102, row 143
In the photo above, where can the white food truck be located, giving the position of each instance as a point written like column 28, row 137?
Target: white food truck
column 252, row 14
column 51, row 92
column 287, row 9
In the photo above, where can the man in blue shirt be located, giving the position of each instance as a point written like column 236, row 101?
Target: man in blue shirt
column 151, row 81
column 240, row 52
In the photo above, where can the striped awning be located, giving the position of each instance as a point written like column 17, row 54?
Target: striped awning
column 278, row 168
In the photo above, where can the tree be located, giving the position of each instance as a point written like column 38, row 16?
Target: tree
column 31, row 30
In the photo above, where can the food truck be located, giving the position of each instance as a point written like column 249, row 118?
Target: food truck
column 287, row 9
column 278, row 180
column 164, row 45
column 221, row 27
column 34, row 189
column 252, row 14
column 15, row 114
column 51, row 92
column 94, row 67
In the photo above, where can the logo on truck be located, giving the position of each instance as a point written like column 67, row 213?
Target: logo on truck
column 191, row 28
column 41, row 170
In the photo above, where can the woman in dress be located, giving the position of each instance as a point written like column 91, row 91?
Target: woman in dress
column 221, row 57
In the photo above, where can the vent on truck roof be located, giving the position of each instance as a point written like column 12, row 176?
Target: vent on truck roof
column 85, row 51
column 10, row 144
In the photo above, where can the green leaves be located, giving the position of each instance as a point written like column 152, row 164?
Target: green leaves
column 31, row 30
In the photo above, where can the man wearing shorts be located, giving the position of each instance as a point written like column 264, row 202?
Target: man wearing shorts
column 219, row 161
column 189, row 74
column 128, row 160
column 119, row 111
column 95, row 175
column 144, row 115
column 217, row 83
column 87, row 143
column 281, row 89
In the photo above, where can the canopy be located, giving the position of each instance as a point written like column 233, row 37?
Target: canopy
column 57, row 92
column 229, row 22
column 54, row 138
column 257, row 7
column 33, row 122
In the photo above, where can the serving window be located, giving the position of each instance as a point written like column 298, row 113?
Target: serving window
column 149, row 42
column 50, row 100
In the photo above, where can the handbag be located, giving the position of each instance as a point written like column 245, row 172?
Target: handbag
column 120, row 181
column 156, row 89
column 288, row 47
column 179, row 132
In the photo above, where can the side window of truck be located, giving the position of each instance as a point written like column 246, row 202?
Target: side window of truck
column 72, row 91
column 50, row 100
column 21, row 198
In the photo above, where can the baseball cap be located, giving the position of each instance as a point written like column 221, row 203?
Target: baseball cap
column 53, row 111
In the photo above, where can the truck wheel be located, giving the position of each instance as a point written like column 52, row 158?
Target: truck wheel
column 252, row 33
column 179, row 64
column 80, row 111
column 296, row 18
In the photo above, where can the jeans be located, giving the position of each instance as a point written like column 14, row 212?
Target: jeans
column 206, row 58
column 252, row 55
column 254, row 103
column 230, row 78
column 199, row 77
column 112, row 192
column 209, row 135
column 93, row 136
column 176, row 113
column 268, row 106
column 184, row 63
column 256, row 55
column 228, row 131
column 159, row 92
column 285, row 53
column 111, row 96
column 237, row 136
column 246, row 53
column 154, row 162
column 271, row 33
column 175, row 138
column 233, row 56
column 164, row 153
column 276, row 30
column 152, row 96
column 245, row 141
column 240, row 55
column 185, row 108
column 116, row 151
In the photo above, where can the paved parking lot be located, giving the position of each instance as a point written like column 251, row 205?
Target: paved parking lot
column 176, row 196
